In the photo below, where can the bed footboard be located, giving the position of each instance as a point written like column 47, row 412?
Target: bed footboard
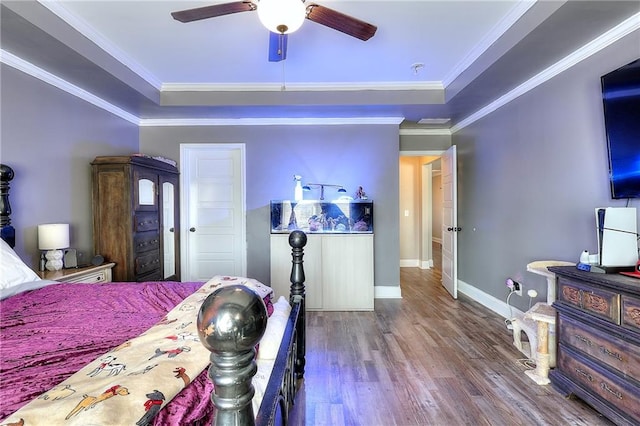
column 231, row 322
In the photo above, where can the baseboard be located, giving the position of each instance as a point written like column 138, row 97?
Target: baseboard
column 437, row 240
column 498, row 306
column 387, row 292
column 426, row 264
column 415, row 263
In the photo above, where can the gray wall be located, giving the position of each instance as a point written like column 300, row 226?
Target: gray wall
column 531, row 174
column 348, row 155
column 49, row 138
column 414, row 140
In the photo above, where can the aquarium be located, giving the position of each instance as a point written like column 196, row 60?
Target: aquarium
column 312, row 216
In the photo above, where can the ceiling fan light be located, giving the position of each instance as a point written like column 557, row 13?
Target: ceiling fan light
column 281, row 16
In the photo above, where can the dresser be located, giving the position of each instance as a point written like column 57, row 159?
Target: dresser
column 598, row 333
column 136, row 217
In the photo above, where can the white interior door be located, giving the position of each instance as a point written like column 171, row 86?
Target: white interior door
column 449, row 223
column 213, row 210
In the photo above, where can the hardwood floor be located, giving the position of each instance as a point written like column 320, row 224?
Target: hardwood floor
column 423, row 360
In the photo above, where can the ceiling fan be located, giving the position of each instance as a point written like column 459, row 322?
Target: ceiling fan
column 282, row 17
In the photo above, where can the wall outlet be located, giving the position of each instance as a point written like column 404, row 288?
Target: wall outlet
column 514, row 286
column 517, row 288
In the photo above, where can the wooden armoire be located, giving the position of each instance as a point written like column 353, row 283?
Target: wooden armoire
column 136, row 220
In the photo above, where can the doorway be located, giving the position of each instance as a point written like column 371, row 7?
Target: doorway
column 420, row 207
column 213, row 209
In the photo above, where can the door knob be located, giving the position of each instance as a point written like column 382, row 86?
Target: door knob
column 456, row 229
column 192, row 229
column 171, row 229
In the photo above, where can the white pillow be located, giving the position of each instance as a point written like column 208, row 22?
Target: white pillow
column 13, row 271
column 277, row 323
column 255, row 285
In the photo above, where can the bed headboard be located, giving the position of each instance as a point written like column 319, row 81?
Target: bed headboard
column 7, row 232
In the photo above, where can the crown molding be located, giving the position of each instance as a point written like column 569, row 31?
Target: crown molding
column 281, row 121
column 425, row 132
column 496, row 32
column 301, row 87
column 425, row 153
column 45, row 76
column 86, row 30
column 625, row 28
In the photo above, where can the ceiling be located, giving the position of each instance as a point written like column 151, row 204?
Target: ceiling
column 134, row 56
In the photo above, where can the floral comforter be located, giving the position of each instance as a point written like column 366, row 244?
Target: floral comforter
column 127, row 384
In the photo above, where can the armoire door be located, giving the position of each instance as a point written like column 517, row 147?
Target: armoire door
column 170, row 230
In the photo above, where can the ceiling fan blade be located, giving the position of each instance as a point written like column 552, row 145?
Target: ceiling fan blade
column 205, row 12
column 341, row 22
column 277, row 47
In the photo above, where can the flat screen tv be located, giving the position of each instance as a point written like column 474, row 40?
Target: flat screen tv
column 621, row 98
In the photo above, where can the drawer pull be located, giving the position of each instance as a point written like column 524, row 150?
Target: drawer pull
column 606, row 351
column 581, row 299
column 147, row 243
column 583, row 339
column 606, row 387
column 584, row 374
column 99, row 278
column 153, row 262
column 596, row 303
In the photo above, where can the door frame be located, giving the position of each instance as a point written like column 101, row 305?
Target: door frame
column 426, row 219
column 426, row 251
column 450, row 233
column 184, row 199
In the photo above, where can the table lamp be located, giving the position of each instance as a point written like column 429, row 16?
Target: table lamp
column 53, row 237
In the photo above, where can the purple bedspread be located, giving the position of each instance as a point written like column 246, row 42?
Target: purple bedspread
column 50, row 333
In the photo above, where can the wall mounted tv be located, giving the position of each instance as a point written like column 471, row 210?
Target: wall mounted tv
column 621, row 99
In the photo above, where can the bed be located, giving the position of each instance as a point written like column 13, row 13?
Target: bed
column 163, row 353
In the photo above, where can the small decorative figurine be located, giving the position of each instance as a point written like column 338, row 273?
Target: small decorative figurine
column 360, row 194
column 298, row 196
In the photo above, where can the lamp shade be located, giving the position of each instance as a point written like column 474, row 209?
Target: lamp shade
column 53, row 236
column 281, row 16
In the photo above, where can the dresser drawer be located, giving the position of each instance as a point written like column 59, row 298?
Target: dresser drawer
column 91, row 278
column 153, row 276
column 147, row 262
column 631, row 312
column 146, row 221
column 597, row 301
column 612, row 351
column 598, row 381
column 89, row 274
column 146, row 241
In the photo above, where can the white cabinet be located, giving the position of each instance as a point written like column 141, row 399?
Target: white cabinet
column 338, row 270
column 281, row 269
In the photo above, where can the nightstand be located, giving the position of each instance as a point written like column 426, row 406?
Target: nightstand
column 90, row 274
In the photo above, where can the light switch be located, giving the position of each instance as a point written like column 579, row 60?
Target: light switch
column 406, row 213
